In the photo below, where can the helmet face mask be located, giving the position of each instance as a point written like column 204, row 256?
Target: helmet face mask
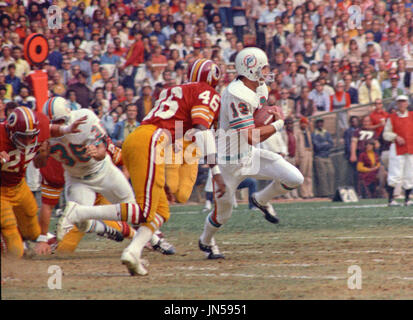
column 203, row 70
column 22, row 127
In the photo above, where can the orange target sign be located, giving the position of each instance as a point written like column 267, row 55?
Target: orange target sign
column 36, row 48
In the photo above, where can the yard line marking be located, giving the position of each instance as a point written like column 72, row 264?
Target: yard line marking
column 271, row 276
column 361, row 206
column 364, row 237
column 401, row 278
column 290, row 264
column 195, row 268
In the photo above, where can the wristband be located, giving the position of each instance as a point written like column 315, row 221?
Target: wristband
column 215, row 170
column 278, row 125
column 41, row 238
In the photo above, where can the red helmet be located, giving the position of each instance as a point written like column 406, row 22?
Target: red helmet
column 203, row 70
column 23, row 127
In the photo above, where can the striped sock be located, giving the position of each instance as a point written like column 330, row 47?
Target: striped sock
column 211, row 227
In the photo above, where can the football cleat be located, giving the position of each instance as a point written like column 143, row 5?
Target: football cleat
column 267, row 210
column 111, row 234
column 212, row 250
column 408, row 203
column 164, row 247
column 135, row 265
column 394, row 203
column 66, row 221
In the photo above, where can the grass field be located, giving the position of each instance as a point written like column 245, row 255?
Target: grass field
column 306, row 256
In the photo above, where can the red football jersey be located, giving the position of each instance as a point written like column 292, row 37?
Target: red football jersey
column 187, row 105
column 13, row 171
column 53, row 173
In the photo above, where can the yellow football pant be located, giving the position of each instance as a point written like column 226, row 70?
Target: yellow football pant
column 142, row 154
column 18, row 217
column 180, row 178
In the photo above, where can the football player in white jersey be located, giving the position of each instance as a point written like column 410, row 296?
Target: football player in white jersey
column 88, row 167
column 89, row 170
column 237, row 156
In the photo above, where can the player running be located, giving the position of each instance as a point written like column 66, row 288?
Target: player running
column 193, row 105
column 239, row 158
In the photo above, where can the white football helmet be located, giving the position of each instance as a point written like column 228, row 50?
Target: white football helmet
column 56, row 109
column 249, row 63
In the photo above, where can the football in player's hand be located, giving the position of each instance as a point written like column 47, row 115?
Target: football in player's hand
column 263, row 115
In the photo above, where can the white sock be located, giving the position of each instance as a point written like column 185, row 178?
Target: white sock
column 272, row 190
column 154, row 239
column 209, row 231
column 96, row 226
column 142, row 236
column 208, row 205
column 106, row 212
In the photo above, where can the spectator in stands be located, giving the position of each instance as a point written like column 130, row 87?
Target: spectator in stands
column 83, row 93
column 12, row 79
column 8, row 89
column 394, row 90
column 293, row 81
column 25, row 99
column 22, row 67
column 323, row 165
column 71, row 97
column 286, row 104
column 320, row 97
column 81, row 61
column 290, row 141
column 350, row 90
column 378, row 119
column 368, row 167
column 304, row 158
column 369, row 92
column 125, row 127
column 304, row 106
column 392, row 46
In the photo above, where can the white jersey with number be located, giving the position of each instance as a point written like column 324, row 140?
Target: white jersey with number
column 70, row 149
column 238, row 104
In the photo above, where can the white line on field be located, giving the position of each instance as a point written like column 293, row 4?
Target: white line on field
column 364, row 237
column 361, row 206
column 401, row 278
column 271, row 276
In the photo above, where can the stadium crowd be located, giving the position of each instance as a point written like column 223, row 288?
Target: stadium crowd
column 116, row 56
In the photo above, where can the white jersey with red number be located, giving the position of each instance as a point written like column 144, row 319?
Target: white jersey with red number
column 70, row 149
column 237, row 113
column 184, row 106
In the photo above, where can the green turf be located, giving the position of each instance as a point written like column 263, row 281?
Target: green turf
column 298, row 216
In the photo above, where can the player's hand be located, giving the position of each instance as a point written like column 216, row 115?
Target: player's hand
column 353, row 158
column 42, row 248
column 220, row 184
column 400, row 141
column 44, row 149
column 276, row 114
column 91, row 151
column 74, row 127
column 169, row 195
column 4, row 157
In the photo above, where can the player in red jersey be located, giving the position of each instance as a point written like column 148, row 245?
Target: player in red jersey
column 22, row 137
column 194, row 105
